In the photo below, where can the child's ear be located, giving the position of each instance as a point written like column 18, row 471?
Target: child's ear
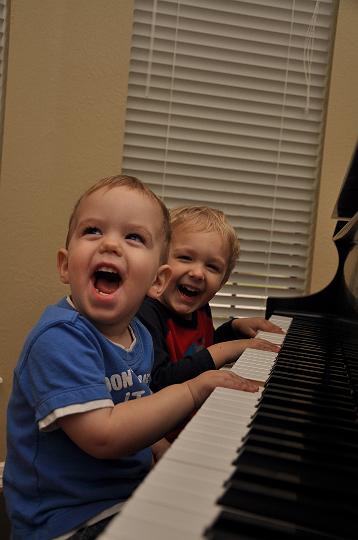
column 160, row 282
column 62, row 265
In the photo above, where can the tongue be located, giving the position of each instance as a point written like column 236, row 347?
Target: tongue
column 105, row 286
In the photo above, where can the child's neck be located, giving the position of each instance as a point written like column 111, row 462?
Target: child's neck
column 125, row 338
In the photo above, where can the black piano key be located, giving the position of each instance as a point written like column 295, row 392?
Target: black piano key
column 314, row 377
column 295, row 383
column 314, row 416
column 311, row 449
column 337, row 444
column 311, row 354
column 297, row 508
column 305, row 428
column 311, row 406
column 239, row 525
column 311, row 368
column 310, row 396
column 329, row 495
column 301, row 468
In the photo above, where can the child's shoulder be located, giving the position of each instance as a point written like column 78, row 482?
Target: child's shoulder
column 152, row 305
column 54, row 316
column 59, row 313
column 154, row 314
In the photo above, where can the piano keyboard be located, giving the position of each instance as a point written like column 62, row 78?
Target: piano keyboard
column 177, row 499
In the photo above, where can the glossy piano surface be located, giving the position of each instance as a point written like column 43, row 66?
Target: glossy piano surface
column 339, row 299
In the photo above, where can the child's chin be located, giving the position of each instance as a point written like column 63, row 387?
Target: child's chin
column 185, row 310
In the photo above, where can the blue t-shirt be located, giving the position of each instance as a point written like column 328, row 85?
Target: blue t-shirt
column 67, row 366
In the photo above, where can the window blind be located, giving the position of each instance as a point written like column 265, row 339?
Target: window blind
column 226, row 107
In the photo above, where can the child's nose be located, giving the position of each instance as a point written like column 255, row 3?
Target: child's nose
column 197, row 271
column 110, row 244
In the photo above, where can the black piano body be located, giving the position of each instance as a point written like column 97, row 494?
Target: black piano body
column 296, row 472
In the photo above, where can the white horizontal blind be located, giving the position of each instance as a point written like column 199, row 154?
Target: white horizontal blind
column 226, row 107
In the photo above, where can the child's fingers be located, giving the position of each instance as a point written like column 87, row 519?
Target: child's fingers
column 240, row 383
column 202, row 386
column 270, row 327
column 229, row 379
column 263, row 345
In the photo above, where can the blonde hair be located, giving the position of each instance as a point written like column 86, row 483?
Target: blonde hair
column 130, row 182
column 205, row 218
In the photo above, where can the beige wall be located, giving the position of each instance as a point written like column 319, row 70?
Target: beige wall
column 340, row 139
column 65, row 106
column 66, row 93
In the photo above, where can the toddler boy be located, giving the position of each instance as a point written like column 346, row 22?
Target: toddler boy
column 82, row 423
column 203, row 252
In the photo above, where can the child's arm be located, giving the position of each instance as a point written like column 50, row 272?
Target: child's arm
column 111, row 433
column 229, row 351
column 243, row 328
column 249, row 326
column 165, row 372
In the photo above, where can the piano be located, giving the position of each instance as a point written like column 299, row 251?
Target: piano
column 282, row 463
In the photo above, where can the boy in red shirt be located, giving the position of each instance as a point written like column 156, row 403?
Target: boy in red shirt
column 203, row 253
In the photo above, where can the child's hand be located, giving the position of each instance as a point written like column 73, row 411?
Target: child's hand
column 229, row 351
column 202, row 385
column 250, row 325
column 258, row 343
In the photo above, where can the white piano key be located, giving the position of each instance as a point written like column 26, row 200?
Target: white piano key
column 183, row 477
column 237, row 409
column 172, row 521
column 230, row 421
column 255, row 364
column 131, row 527
column 227, row 394
column 257, row 374
column 196, row 499
column 270, row 336
column 225, row 429
column 204, row 433
column 257, row 355
column 283, row 322
column 202, row 458
column 212, row 448
column 177, row 497
column 195, row 482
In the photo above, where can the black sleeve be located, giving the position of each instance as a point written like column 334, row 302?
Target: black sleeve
column 225, row 332
column 153, row 315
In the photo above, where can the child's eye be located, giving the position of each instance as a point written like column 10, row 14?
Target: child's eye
column 136, row 237
column 214, row 268
column 92, row 230
column 182, row 257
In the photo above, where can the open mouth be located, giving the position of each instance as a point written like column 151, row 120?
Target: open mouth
column 106, row 280
column 187, row 291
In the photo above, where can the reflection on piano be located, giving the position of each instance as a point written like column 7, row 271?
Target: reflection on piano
column 282, row 464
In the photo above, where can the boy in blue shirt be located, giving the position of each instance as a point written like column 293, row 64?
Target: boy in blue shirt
column 83, row 426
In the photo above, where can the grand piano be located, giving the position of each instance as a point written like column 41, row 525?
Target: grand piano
column 283, row 463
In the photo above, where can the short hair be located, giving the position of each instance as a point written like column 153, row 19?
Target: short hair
column 131, row 182
column 205, row 218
